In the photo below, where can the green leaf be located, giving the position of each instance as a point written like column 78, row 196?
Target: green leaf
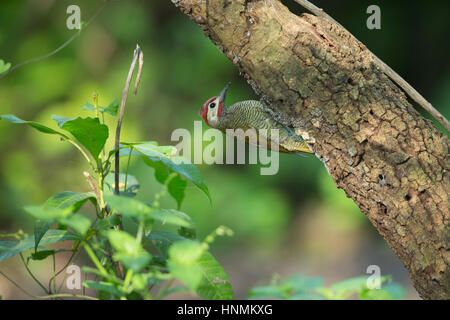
column 167, row 154
column 87, row 106
column 41, row 255
column 62, row 200
column 46, row 213
column 132, row 185
column 182, row 262
column 88, row 131
column 123, row 242
column 10, row 248
column 70, row 199
column 301, row 284
column 346, row 288
column 387, row 292
column 103, row 286
column 374, row 294
column 44, row 129
column 306, row 296
column 133, row 262
column 176, row 186
column 265, row 292
column 61, row 120
column 395, row 290
column 77, row 222
column 40, row 228
column 129, row 251
column 112, row 108
column 163, row 240
column 215, row 283
column 172, row 217
column 138, row 209
column 199, row 270
column 4, row 66
column 128, row 206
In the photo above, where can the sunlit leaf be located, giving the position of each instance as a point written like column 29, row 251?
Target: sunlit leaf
column 138, row 209
column 176, row 186
column 62, row 200
column 163, row 240
column 199, row 270
column 35, row 125
column 77, row 222
column 167, row 154
column 70, row 199
column 88, row 131
column 111, row 108
column 129, row 251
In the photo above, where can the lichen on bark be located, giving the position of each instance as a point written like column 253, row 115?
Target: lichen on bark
column 320, row 80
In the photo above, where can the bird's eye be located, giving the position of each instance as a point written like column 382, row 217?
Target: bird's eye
column 212, row 105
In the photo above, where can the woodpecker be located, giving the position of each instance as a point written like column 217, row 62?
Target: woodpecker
column 251, row 114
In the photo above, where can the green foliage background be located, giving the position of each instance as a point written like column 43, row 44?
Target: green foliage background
column 291, row 222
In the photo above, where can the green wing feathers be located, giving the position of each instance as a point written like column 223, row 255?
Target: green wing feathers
column 254, row 114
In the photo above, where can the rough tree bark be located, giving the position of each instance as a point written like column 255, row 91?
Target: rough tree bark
column 317, row 78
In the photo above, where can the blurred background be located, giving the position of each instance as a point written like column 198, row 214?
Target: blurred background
column 295, row 221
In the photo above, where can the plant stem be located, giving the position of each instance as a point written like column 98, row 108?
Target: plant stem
column 67, row 295
column 94, row 259
column 140, row 231
column 82, row 152
column 54, row 274
column 136, row 54
column 32, row 275
column 126, row 173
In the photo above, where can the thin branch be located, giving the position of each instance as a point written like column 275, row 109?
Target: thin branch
column 32, row 275
column 17, row 285
column 66, row 295
column 137, row 54
column 138, row 77
column 62, row 269
column 416, row 96
column 65, row 44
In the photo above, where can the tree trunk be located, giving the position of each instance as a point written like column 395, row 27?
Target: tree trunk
column 318, row 79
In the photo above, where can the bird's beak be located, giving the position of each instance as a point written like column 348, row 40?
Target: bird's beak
column 223, row 94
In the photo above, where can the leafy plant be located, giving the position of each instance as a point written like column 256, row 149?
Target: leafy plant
column 126, row 265
column 299, row 287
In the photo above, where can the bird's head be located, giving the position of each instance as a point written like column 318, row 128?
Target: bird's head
column 212, row 109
